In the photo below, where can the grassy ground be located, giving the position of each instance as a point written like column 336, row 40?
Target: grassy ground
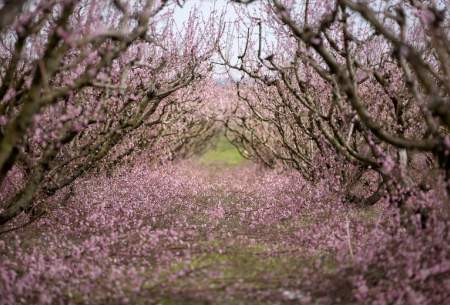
column 224, row 153
column 233, row 262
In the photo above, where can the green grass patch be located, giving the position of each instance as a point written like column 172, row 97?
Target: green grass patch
column 223, row 153
column 245, row 268
column 249, row 264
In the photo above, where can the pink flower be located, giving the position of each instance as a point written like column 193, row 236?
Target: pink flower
column 387, row 164
column 426, row 16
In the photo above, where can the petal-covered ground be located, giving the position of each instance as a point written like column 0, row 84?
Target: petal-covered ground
column 190, row 233
column 181, row 234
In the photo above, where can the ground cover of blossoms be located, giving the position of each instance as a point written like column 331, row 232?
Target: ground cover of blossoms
column 188, row 233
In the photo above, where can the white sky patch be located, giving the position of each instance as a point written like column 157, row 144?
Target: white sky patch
column 206, row 8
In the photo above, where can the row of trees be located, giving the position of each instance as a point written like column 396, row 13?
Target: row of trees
column 87, row 84
column 348, row 88
column 345, row 88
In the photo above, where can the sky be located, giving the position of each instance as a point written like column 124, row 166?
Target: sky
column 206, row 7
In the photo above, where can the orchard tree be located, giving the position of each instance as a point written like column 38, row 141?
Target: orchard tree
column 366, row 80
column 86, row 83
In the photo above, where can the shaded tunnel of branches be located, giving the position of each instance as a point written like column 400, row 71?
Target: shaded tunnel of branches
column 360, row 90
